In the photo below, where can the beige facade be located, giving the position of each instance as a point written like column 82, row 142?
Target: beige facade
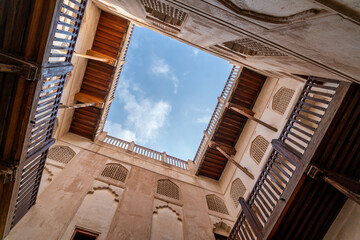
column 305, row 37
column 116, row 193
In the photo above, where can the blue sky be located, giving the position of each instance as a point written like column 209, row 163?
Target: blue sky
column 166, row 94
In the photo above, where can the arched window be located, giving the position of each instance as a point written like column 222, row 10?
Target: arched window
column 258, row 148
column 237, row 190
column 282, row 99
column 115, row 171
column 167, row 188
column 61, row 154
column 216, row 204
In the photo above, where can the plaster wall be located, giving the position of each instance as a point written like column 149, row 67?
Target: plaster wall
column 263, row 110
column 320, row 44
column 80, row 197
column 346, row 224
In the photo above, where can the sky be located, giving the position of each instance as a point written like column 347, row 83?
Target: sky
column 166, row 94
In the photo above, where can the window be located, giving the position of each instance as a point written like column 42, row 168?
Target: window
column 61, row 154
column 216, row 204
column 167, row 188
column 237, row 190
column 250, row 47
column 115, row 171
column 258, row 148
column 163, row 12
column 84, row 235
column 282, row 99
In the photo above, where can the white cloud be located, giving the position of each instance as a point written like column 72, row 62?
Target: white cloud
column 196, row 51
column 117, row 130
column 203, row 119
column 161, row 67
column 144, row 116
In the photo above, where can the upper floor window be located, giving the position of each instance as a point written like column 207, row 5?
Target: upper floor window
column 282, row 99
column 164, row 12
column 216, row 204
column 167, row 188
column 251, row 47
column 61, row 154
column 237, row 190
column 258, row 148
column 115, row 171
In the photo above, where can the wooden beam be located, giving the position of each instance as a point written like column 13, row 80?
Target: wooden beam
column 251, row 219
column 225, row 147
column 287, row 152
column 86, row 98
column 244, row 109
column 347, row 186
column 9, row 68
column 94, row 55
column 80, row 105
column 235, row 163
column 247, row 115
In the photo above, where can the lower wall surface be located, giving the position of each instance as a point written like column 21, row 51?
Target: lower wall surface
column 79, row 197
column 347, row 224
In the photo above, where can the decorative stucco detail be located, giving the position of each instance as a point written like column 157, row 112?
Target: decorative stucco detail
column 164, row 12
column 115, row 171
column 216, row 204
column 258, row 148
column 268, row 18
column 61, row 154
column 251, row 47
column 171, row 209
column 282, row 99
column 167, row 188
column 49, row 172
column 101, row 186
column 237, row 190
column 222, row 225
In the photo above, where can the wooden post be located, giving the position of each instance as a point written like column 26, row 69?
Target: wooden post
column 287, row 152
column 234, row 162
column 252, row 219
column 245, row 113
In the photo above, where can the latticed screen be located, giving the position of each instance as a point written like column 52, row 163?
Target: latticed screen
column 250, row 47
column 258, row 148
column 237, row 190
column 168, row 189
column 216, row 204
column 115, row 171
column 282, row 99
column 61, row 154
column 164, row 12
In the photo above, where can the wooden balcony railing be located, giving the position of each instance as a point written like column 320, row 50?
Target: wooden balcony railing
column 49, row 80
column 234, row 74
column 286, row 164
column 147, row 152
column 116, row 77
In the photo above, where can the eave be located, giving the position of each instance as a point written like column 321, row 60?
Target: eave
column 111, row 40
column 228, row 124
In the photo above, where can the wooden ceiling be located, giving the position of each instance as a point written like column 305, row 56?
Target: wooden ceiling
column 231, row 123
column 99, row 76
column 314, row 204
